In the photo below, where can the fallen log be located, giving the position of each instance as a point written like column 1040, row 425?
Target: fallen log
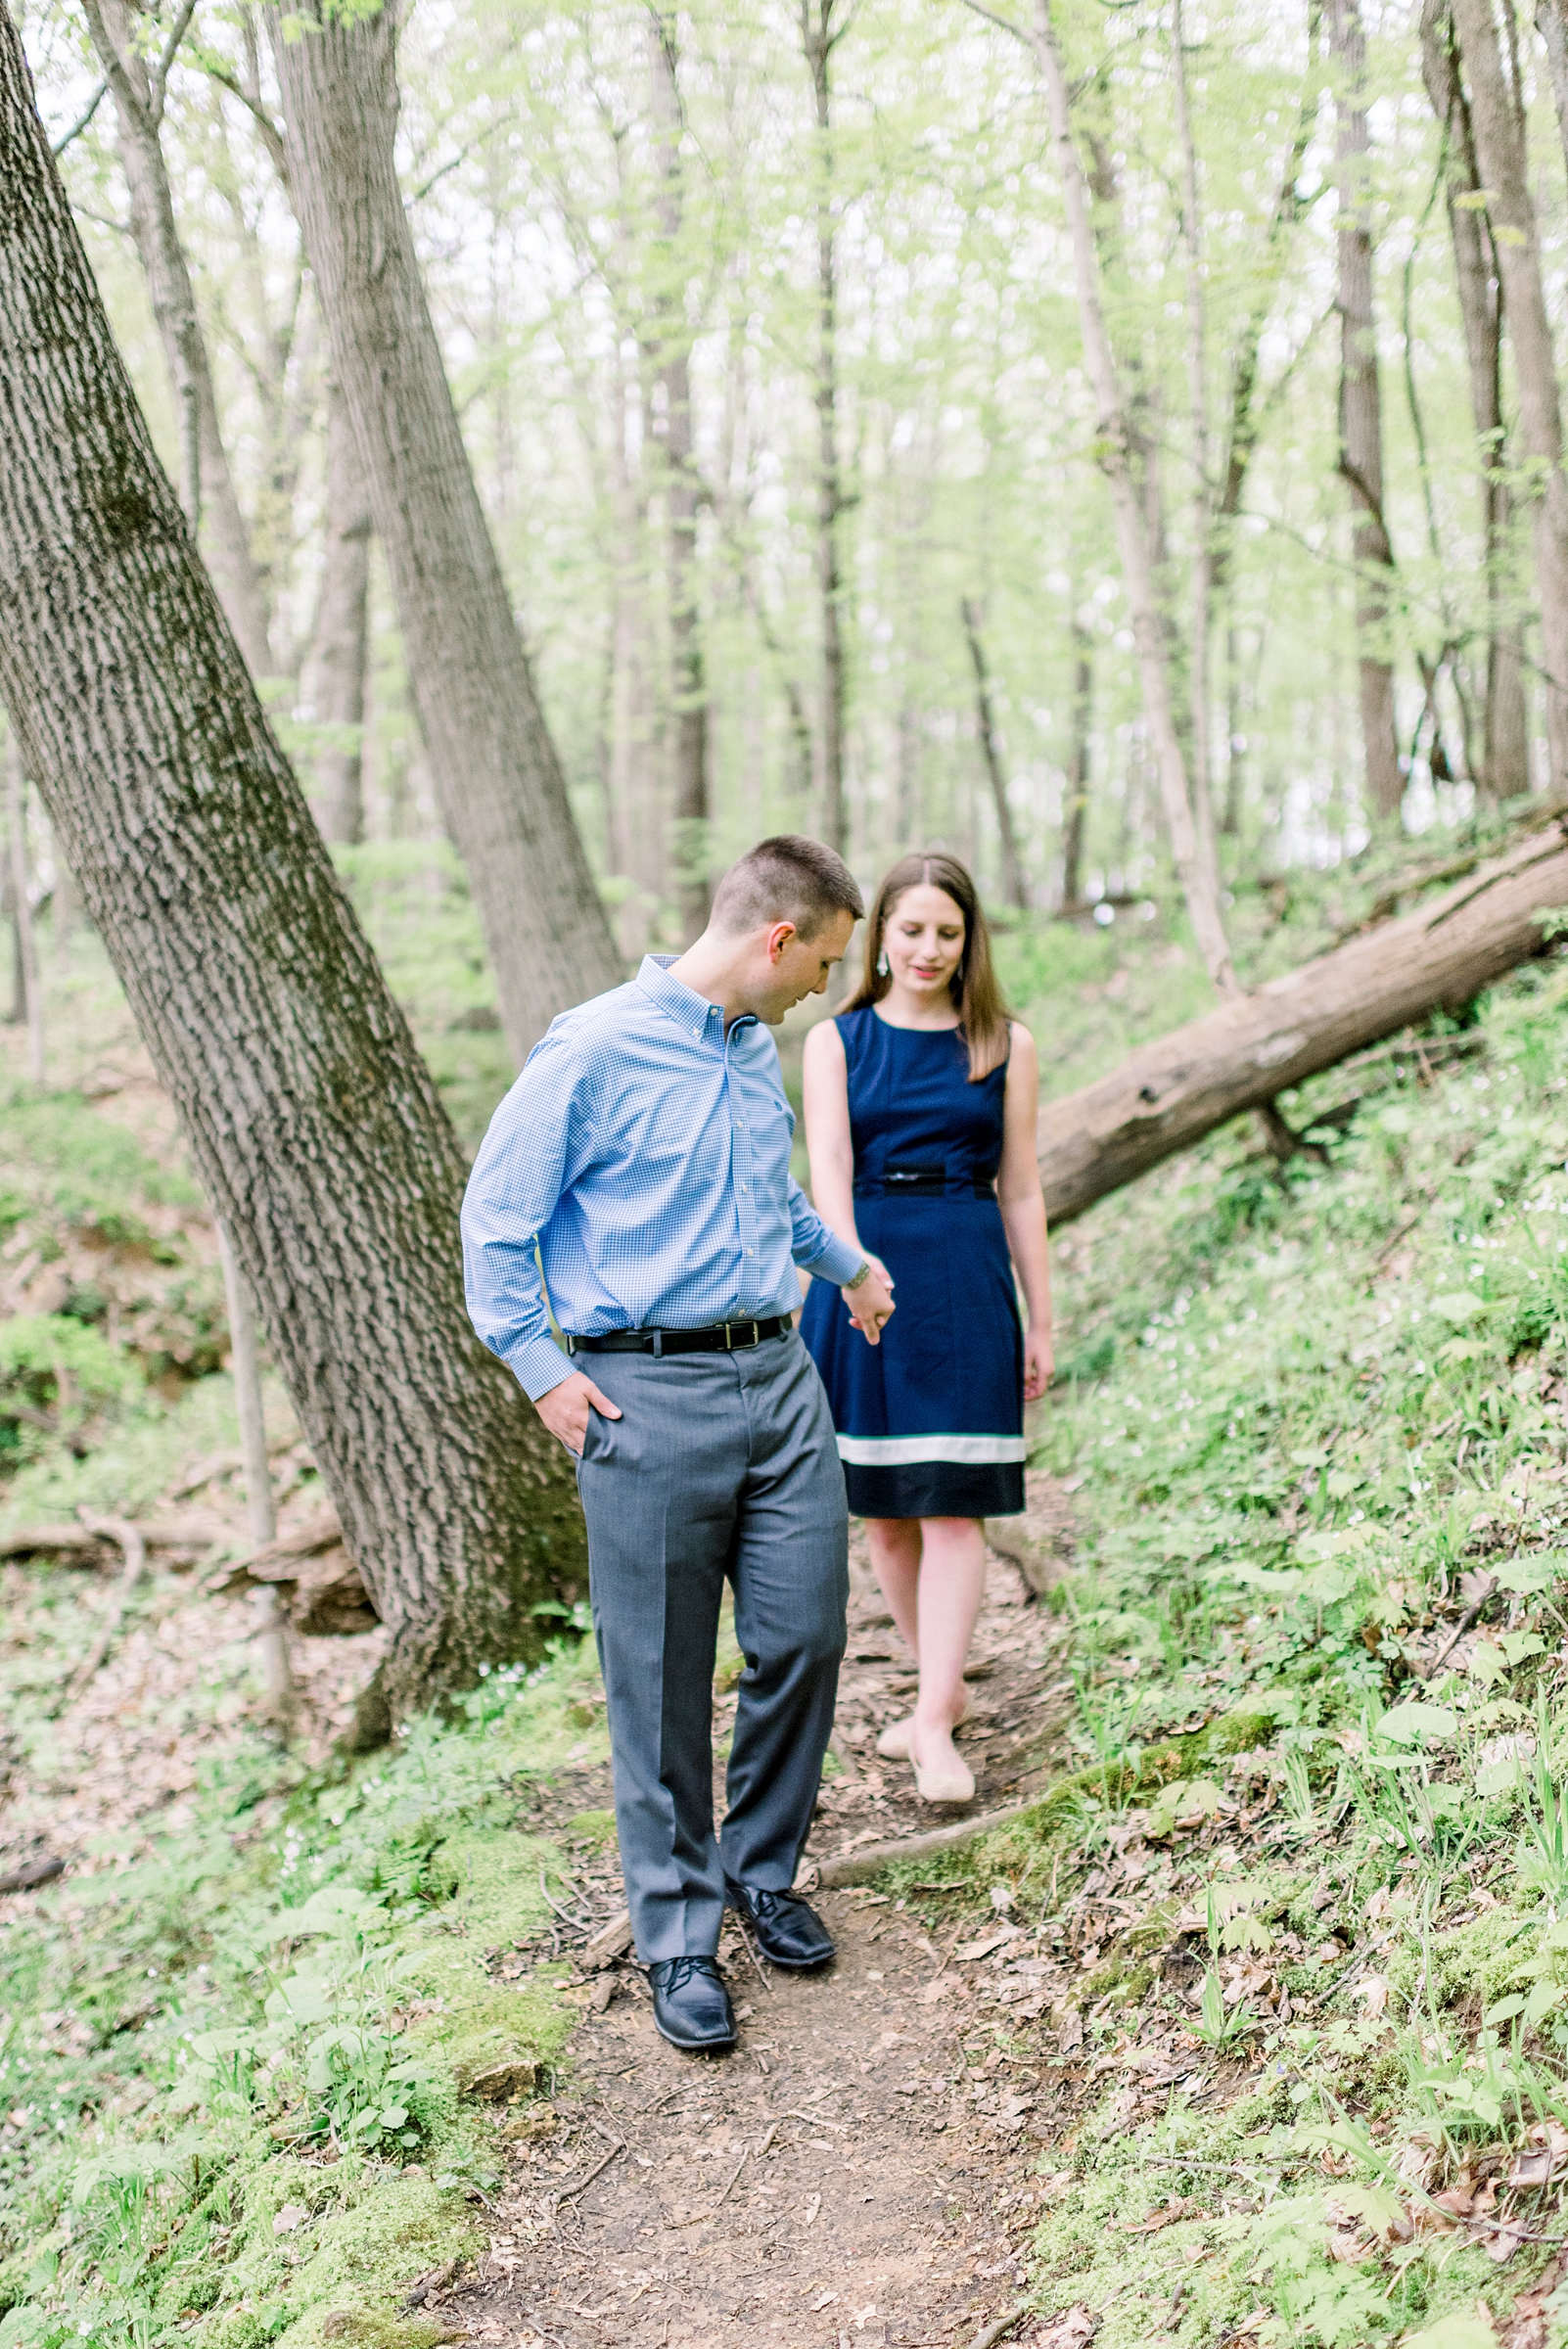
column 1168, row 1095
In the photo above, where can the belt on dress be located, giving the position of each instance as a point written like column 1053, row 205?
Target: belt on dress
column 923, row 1182
column 726, row 1337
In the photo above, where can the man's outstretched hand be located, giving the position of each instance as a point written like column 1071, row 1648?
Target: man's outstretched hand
column 870, row 1304
column 565, row 1409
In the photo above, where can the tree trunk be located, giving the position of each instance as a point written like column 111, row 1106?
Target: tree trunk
column 1198, row 878
column 1360, row 420
column 1075, row 810
column 207, row 485
column 1013, row 889
column 1505, row 756
column 681, row 487
column 29, row 995
column 1201, row 583
column 818, row 40
column 312, row 1121
column 340, row 645
column 1551, row 23
column 1170, row 1094
column 1500, row 144
column 497, row 776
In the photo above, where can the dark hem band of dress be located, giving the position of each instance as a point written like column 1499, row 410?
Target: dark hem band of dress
column 936, row 1488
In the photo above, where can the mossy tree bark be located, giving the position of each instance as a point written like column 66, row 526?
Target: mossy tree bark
column 499, row 781
column 311, row 1119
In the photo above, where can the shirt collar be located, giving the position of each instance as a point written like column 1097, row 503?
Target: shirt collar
column 685, row 1006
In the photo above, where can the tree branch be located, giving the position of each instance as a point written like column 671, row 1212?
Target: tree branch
column 82, row 121
column 160, row 72
column 1002, row 23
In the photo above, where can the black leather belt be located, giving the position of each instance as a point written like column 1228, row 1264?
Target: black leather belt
column 923, row 1182
column 728, row 1337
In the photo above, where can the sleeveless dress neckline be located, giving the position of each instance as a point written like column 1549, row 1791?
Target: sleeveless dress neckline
column 930, row 1421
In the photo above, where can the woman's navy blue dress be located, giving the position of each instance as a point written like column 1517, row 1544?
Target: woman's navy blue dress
column 929, row 1422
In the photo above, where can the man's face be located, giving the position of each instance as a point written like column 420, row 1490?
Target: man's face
column 801, row 966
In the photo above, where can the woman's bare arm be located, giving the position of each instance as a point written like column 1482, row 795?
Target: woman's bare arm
column 1022, row 1209
column 826, row 1079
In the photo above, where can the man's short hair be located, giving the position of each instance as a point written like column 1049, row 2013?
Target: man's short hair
column 786, row 879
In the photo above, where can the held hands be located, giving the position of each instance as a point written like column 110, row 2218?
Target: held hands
column 870, row 1304
column 1039, row 1362
column 564, row 1409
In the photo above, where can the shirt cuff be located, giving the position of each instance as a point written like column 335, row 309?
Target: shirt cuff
column 837, row 1262
column 538, row 1364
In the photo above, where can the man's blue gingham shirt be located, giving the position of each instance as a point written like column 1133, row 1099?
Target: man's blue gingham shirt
column 648, row 1154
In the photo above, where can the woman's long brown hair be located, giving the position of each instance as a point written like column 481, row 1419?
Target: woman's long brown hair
column 982, row 1015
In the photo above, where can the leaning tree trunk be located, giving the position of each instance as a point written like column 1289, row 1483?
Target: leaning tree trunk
column 1499, row 145
column 496, row 772
column 1170, row 1094
column 682, row 489
column 313, row 1122
column 1505, row 759
column 1360, row 422
column 207, row 483
column 341, row 644
column 1198, row 877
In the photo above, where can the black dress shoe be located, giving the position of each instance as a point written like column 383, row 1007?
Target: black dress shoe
column 691, row 2005
column 788, row 1932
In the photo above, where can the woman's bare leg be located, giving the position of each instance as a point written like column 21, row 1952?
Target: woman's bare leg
column 895, row 1546
column 951, row 1585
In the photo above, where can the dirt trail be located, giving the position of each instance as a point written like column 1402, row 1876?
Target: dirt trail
column 860, row 2170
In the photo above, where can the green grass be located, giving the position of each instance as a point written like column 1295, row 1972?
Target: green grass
column 278, row 2012
column 1302, row 1413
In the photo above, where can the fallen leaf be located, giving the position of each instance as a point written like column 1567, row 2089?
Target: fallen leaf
column 1374, row 1990
column 825, row 2300
column 969, row 1953
column 290, row 2216
column 1070, row 2331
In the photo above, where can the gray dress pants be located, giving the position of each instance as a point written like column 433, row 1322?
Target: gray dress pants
column 723, row 1464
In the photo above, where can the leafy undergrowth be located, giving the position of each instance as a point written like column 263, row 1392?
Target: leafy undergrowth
column 1281, row 1974
column 238, row 2078
column 111, row 1298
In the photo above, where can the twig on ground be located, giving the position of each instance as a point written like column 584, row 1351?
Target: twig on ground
column 1003, row 2325
column 765, row 1977
column 579, row 1924
column 1466, row 1620
column 813, row 2120
column 121, row 1530
column 567, row 2192
column 733, row 2175
column 1389, row 1246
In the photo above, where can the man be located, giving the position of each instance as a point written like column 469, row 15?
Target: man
column 645, row 1150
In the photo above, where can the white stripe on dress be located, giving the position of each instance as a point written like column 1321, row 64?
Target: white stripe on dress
column 899, row 1451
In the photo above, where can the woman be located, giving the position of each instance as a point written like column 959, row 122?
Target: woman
column 920, row 1101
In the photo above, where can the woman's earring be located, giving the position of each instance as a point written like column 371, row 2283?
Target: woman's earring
column 882, row 964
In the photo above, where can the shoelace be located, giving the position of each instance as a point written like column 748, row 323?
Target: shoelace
column 682, row 1970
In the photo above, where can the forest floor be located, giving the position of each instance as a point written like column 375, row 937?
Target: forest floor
column 833, row 2177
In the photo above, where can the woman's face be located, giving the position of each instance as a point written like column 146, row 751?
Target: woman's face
column 924, row 941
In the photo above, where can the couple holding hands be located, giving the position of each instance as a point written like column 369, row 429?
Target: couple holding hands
column 641, row 1162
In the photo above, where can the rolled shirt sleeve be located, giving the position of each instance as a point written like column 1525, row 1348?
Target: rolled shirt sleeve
column 814, row 1248
column 523, row 1165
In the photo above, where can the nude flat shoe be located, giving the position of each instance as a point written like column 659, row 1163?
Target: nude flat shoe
column 949, row 1782
column 894, row 1743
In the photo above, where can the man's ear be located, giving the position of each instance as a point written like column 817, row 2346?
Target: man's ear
column 778, row 937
